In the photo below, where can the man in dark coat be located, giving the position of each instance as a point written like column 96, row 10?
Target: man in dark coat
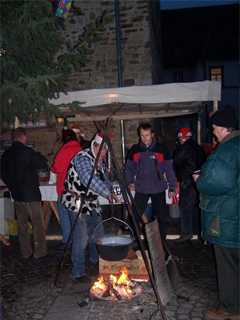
column 187, row 158
column 219, row 184
column 19, row 166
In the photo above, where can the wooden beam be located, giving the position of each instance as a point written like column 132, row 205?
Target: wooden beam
column 125, row 116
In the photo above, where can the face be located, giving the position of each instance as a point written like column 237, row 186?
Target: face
column 78, row 135
column 23, row 140
column 103, row 152
column 146, row 136
column 219, row 132
column 181, row 140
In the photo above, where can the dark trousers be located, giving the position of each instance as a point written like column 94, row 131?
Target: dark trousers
column 158, row 206
column 33, row 211
column 189, row 211
column 228, row 274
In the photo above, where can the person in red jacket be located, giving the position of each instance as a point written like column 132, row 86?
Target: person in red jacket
column 60, row 166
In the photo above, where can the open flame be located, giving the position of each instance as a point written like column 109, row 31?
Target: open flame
column 115, row 288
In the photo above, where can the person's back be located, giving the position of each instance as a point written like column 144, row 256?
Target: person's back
column 19, row 166
column 63, row 157
column 19, row 171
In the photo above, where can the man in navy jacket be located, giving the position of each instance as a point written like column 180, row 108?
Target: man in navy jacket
column 19, row 166
column 149, row 171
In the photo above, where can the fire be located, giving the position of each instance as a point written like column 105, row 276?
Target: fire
column 115, row 288
column 100, row 285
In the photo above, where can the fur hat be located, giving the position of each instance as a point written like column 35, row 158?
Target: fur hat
column 226, row 118
column 184, row 133
column 76, row 129
column 98, row 139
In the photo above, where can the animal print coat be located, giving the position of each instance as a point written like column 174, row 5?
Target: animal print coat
column 73, row 184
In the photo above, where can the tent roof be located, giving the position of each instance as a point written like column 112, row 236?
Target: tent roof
column 134, row 102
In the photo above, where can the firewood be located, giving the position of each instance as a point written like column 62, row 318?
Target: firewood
column 117, row 295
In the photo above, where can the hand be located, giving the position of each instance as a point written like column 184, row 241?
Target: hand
column 113, row 197
column 195, row 176
column 171, row 194
column 131, row 186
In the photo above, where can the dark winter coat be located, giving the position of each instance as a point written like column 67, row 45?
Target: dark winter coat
column 219, row 185
column 147, row 167
column 188, row 158
column 19, row 166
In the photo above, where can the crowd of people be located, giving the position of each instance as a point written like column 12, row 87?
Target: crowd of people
column 211, row 183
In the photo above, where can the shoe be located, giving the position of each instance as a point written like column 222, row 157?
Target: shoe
column 83, row 279
column 215, row 313
column 42, row 257
column 183, row 238
column 29, row 258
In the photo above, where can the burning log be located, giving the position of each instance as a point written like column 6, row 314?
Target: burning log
column 117, row 295
column 115, row 288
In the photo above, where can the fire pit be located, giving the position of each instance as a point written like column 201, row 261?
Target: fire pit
column 116, row 288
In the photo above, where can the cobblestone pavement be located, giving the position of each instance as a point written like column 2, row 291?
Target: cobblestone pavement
column 27, row 293
column 27, row 288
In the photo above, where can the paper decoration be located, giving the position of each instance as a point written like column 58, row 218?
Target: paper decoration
column 63, row 8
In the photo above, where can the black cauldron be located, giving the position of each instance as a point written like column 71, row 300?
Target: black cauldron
column 113, row 247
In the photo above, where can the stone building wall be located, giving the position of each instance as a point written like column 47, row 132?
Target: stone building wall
column 101, row 69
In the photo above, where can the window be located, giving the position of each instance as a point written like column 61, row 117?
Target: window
column 177, row 76
column 216, row 74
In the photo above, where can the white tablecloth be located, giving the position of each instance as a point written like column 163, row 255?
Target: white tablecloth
column 49, row 193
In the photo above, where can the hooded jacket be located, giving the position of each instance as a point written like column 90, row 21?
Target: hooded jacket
column 62, row 160
column 147, row 167
column 219, row 185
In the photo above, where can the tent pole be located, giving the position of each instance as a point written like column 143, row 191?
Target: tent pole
column 119, row 63
column 199, row 129
column 16, row 123
column 215, row 108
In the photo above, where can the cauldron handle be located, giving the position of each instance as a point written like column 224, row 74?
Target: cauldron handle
column 119, row 220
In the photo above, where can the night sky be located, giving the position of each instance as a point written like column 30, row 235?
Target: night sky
column 177, row 4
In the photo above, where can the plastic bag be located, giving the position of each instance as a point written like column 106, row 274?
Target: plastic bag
column 12, row 225
column 174, row 211
column 175, row 199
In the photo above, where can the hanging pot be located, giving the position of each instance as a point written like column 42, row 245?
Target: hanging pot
column 113, row 247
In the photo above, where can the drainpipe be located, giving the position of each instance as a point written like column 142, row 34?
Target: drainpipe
column 119, row 64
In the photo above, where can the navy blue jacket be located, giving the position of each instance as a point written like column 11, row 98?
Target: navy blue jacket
column 149, row 168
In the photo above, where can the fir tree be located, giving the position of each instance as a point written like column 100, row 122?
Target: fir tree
column 32, row 68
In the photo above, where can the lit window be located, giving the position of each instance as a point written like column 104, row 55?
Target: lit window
column 216, row 74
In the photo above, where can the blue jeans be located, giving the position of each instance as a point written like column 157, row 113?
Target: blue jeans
column 65, row 221
column 82, row 234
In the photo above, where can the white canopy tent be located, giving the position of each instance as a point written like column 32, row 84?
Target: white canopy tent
column 155, row 101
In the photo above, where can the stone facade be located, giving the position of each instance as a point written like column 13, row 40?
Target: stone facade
column 101, row 69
